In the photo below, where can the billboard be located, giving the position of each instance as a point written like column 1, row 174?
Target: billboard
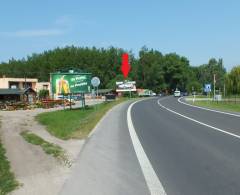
column 122, row 86
column 66, row 83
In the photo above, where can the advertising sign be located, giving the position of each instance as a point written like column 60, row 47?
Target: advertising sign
column 207, row 88
column 122, row 86
column 66, row 83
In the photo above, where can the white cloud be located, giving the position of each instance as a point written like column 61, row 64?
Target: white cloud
column 61, row 25
column 65, row 20
column 34, row 33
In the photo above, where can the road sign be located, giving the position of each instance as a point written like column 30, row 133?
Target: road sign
column 95, row 81
column 207, row 88
column 126, row 86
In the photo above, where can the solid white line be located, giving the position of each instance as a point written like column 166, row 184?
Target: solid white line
column 153, row 183
column 221, row 112
column 201, row 123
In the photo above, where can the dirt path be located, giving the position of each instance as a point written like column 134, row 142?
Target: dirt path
column 38, row 172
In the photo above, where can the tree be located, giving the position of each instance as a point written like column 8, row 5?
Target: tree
column 233, row 81
column 43, row 94
column 205, row 72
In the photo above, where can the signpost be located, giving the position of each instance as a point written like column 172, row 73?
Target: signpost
column 95, row 83
column 207, row 88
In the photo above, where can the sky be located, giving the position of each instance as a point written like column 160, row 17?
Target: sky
column 196, row 29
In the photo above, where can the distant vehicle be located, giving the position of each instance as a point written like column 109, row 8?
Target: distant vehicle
column 184, row 93
column 153, row 94
column 146, row 93
column 177, row 93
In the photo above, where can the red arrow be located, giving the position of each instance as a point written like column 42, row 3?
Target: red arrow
column 125, row 68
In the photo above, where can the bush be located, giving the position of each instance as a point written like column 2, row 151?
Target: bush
column 43, row 94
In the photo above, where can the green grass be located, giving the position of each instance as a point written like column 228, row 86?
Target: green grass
column 200, row 96
column 49, row 148
column 77, row 123
column 224, row 106
column 8, row 182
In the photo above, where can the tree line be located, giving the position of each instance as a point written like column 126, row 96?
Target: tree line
column 151, row 69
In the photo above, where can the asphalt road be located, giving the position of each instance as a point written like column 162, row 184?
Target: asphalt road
column 108, row 164
column 188, row 157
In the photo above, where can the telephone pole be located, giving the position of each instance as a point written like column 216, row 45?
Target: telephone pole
column 214, row 82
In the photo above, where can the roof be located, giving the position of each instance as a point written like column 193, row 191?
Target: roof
column 19, row 79
column 15, row 91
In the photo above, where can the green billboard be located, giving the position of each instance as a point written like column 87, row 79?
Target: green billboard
column 70, row 83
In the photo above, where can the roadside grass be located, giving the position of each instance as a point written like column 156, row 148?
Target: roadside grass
column 200, row 96
column 8, row 182
column 49, row 148
column 224, row 106
column 78, row 123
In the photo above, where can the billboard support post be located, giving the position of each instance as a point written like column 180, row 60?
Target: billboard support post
column 70, row 101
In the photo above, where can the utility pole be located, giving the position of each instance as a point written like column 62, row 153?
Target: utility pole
column 25, row 81
column 214, row 82
column 224, row 90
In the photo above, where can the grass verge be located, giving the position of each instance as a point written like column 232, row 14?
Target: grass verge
column 224, row 106
column 49, row 148
column 66, row 124
column 8, row 182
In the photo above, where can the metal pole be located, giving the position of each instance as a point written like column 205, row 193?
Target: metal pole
column 214, row 81
column 25, row 82
column 97, row 92
column 70, row 101
column 224, row 90
column 84, row 103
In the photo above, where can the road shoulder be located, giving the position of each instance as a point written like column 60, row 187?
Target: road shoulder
column 108, row 162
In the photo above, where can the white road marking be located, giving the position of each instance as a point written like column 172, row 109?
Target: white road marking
column 227, row 113
column 153, row 183
column 196, row 121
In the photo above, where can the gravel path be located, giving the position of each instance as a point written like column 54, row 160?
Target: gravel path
column 38, row 172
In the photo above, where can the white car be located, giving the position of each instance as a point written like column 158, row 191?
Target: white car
column 177, row 93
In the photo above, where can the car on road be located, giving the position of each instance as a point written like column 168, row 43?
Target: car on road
column 177, row 93
column 184, row 93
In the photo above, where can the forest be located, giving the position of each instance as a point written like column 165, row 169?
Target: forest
column 151, row 69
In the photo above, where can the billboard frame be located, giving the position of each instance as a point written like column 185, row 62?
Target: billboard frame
column 69, row 74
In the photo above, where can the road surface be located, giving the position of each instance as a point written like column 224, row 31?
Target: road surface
column 188, row 157
column 191, row 151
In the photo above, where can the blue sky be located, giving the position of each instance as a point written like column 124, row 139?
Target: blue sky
column 197, row 29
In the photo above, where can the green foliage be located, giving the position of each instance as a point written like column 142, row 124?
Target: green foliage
column 151, row 70
column 7, row 179
column 204, row 73
column 233, row 81
column 194, row 86
column 43, row 94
